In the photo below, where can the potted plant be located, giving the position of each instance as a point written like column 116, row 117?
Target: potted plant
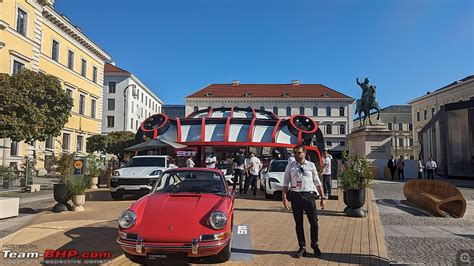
column 77, row 188
column 93, row 165
column 65, row 168
column 355, row 178
column 6, row 175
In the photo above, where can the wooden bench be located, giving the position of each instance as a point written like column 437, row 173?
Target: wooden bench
column 436, row 197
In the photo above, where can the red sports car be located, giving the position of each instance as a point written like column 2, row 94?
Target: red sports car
column 189, row 213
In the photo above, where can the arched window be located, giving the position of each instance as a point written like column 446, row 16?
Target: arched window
column 342, row 129
column 196, row 108
column 315, row 111
column 341, row 111
column 328, row 111
column 328, row 129
column 262, row 108
column 301, row 110
column 275, row 110
column 288, row 111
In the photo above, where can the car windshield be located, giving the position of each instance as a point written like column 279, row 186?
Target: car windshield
column 190, row 181
column 146, row 161
column 278, row 166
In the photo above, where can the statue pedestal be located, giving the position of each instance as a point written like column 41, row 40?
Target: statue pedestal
column 374, row 143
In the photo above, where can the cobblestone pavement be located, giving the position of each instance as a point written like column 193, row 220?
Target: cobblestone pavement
column 415, row 236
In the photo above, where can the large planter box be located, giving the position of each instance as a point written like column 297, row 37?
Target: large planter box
column 9, row 207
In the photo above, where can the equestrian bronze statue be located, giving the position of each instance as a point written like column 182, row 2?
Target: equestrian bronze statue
column 367, row 101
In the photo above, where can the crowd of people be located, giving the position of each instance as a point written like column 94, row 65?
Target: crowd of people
column 398, row 166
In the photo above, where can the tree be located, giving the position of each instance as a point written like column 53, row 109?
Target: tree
column 96, row 143
column 116, row 142
column 33, row 105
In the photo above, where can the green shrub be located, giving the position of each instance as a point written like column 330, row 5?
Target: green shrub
column 77, row 186
column 357, row 172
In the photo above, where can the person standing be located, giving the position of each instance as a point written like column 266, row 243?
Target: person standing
column 239, row 168
column 430, row 168
column 211, row 160
column 391, row 166
column 301, row 178
column 254, row 169
column 400, row 168
column 189, row 162
column 420, row 168
column 327, row 173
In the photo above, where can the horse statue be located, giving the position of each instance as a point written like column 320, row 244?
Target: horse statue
column 367, row 102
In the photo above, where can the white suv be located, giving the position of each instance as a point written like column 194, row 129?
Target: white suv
column 138, row 175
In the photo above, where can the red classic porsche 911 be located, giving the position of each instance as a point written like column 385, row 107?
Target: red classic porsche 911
column 189, row 213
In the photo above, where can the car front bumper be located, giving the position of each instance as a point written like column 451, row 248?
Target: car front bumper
column 194, row 249
column 131, row 188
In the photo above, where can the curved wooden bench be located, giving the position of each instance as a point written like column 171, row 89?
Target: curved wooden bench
column 436, row 197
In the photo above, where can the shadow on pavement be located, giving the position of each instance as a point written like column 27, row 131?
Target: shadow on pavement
column 104, row 195
column 403, row 205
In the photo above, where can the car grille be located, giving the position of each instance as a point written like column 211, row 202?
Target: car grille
column 132, row 182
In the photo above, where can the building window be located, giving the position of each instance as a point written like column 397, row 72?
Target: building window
column 49, row 142
column 328, row 129
column 70, row 59
column 21, row 22
column 14, row 148
column 275, row 110
column 262, row 108
column 110, row 104
column 328, row 111
column 417, row 116
column 400, row 127
column 112, row 86
column 315, row 111
column 301, row 110
column 142, row 97
column 131, row 123
column 410, row 126
column 341, row 111
column 55, row 51
column 328, row 143
column 80, row 140
column 196, row 108
column 146, row 100
column 66, row 141
column 411, row 142
column 342, row 143
column 389, row 125
column 136, row 124
column 432, row 111
column 17, row 67
column 93, row 107
column 412, row 157
column 342, row 129
column 83, row 67
column 69, row 92
column 133, row 109
column 288, row 111
column 82, row 104
column 110, row 121
column 400, row 142
column 94, row 74
column 425, row 114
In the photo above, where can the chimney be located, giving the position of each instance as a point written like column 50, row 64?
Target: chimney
column 235, row 82
column 295, row 82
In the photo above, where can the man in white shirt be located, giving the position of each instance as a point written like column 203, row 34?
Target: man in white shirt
column 420, row 168
column 301, row 177
column 211, row 160
column 327, row 173
column 253, row 167
column 190, row 162
column 430, row 168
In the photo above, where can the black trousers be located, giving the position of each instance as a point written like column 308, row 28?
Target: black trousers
column 305, row 201
column 252, row 181
column 430, row 173
column 420, row 175
column 239, row 178
column 401, row 174
column 392, row 172
column 327, row 184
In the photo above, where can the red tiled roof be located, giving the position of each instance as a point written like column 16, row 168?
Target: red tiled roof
column 111, row 68
column 267, row 91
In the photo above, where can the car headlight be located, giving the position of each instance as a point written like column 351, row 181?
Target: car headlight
column 218, row 220
column 274, row 180
column 127, row 219
column 115, row 173
column 155, row 172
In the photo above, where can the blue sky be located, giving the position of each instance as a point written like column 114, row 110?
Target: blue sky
column 177, row 47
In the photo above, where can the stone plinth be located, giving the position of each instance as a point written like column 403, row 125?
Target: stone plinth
column 374, row 142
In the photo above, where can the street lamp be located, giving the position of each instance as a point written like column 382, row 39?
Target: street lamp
column 125, row 104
